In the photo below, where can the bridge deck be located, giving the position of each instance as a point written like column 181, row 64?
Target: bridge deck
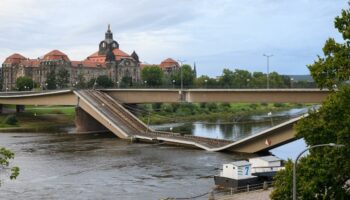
column 104, row 107
column 134, row 128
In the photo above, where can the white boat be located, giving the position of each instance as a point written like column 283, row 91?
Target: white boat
column 241, row 173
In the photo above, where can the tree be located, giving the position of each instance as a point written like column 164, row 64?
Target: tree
column 101, row 82
column 126, row 81
column 153, row 75
column 226, row 80
column 62, row 79
column 187, row 76
column 334, row 67
column 325, row 171
column 241, row 78
column 80, row 84
column 24, row 83
column 51, row 81
column 5, row 157
column 205, row 82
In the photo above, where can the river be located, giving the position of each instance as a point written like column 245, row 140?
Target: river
column 62, row 165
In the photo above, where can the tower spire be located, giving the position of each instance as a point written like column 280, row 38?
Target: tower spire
column 194, row 70
column 109, row 27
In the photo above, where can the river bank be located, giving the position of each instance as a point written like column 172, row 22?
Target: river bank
column 257, row 195
column 173, row 113
column 36, row 118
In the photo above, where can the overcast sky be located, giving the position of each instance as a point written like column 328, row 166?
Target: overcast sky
column 215, row 34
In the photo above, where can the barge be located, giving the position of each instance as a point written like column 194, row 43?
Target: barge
column 242, row 173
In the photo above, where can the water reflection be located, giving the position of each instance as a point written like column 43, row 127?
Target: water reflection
column 99, row 166
column 237, row 129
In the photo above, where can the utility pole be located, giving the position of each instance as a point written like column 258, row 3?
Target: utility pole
column 267, row 75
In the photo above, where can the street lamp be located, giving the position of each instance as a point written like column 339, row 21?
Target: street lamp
column 291, row 82
column 118, row 84
column 206, row 81
column 181, row 76
column 174, row 84
column 145, row 83
column 296, row 161
column 267, row 75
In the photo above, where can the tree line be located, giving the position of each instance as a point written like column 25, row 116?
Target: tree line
column 154, row 77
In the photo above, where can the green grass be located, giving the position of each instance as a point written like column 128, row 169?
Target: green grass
column 38, row 117
column 211, row 111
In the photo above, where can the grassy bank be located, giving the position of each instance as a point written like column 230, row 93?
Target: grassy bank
column 36, row 117
column 170, row 113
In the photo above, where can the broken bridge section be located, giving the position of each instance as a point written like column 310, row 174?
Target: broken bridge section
column 113, row 116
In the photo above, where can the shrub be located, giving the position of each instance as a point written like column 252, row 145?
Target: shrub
column 166, row 107
column 253, row 106
column 10, row 120
column 279, row 105
column 264, row 104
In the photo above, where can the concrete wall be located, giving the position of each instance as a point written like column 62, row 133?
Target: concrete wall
column 85, row 123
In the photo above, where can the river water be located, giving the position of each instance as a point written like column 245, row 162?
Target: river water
column 61, row 165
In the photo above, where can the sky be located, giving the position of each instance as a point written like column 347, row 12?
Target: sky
column 218, row 34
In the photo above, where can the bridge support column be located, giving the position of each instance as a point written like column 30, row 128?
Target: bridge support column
column 20, row 108
column 84, row 123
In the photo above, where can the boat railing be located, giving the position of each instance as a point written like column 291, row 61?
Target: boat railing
column 265, row 169
column 234, row 190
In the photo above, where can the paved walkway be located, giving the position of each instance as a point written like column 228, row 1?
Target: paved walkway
column 256, row 195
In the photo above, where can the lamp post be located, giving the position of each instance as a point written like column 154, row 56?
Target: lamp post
column 267, row 75
column 296, row 161
column 173, row 84
column 206, row 83
column 181, row 76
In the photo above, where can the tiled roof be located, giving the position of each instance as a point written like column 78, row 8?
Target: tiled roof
column 31, row 63
column 169, row 62
column 119, row 54
column 56, row 55
column 87, row 63
column 15, row 58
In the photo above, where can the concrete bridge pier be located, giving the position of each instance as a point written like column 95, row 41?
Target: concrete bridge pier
column 84, row 123
column 20, row 108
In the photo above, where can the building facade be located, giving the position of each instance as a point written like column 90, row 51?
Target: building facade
column 109, row 60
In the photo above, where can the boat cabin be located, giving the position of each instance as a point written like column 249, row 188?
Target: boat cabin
column 237, row 170
column 265, row 164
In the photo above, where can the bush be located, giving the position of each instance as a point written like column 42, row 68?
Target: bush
column 10, row 120
column 253, row 106
column 279, row 105
column 212, row 107
column 166, row 107
column 264, row 104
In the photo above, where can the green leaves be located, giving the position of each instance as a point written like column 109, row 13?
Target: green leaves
column 24, row 83
column 322, row 173
column 152, row 76
column 5, row 157
column 334, row 68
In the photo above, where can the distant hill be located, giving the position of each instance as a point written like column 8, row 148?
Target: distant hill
column 301, row 78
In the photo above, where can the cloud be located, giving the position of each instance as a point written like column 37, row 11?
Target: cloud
column 215, row 34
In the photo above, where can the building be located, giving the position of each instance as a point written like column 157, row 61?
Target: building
column 169, row 65
column 109, row 60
